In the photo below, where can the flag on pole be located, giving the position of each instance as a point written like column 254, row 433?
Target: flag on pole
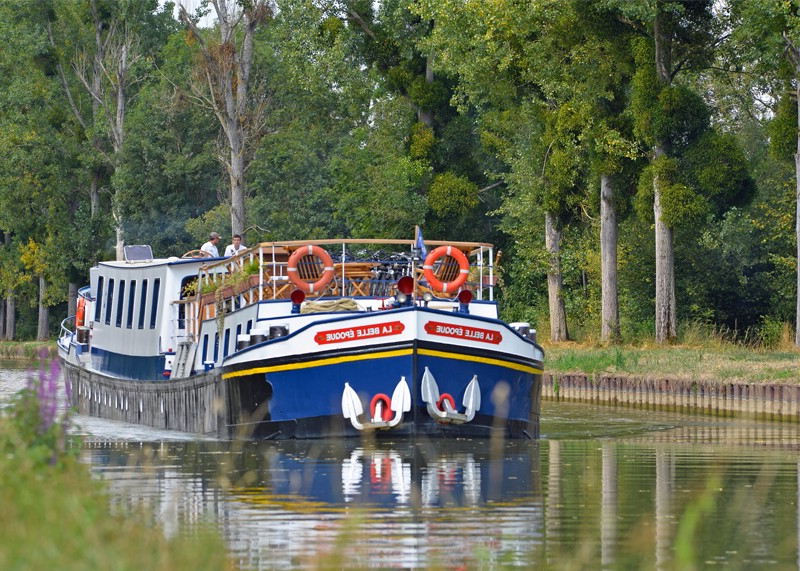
column 420, row 244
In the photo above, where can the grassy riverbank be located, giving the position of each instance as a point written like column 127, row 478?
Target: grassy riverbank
column 55, row 516
column 709, row 361
column 26, row 350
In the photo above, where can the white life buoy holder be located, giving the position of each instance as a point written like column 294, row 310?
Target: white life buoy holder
column 327, row 272
column 463, row 269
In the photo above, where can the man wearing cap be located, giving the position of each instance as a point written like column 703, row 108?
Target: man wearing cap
column 210, row 247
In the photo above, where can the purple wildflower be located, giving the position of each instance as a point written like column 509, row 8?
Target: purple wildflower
column 47, row 393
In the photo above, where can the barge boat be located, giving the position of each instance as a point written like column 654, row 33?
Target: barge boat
column 305, row 340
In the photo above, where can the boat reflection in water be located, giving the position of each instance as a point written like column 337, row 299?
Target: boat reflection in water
column 643, row 492
column 289, row 503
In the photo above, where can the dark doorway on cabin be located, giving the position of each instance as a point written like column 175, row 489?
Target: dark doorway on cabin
column 182, row 306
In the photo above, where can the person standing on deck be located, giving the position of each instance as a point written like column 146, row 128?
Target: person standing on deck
column 236, row 247
column 210, row 247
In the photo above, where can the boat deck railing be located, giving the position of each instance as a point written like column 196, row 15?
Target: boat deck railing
column 66, row 333
column 361, row 268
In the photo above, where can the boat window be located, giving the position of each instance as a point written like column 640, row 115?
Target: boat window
column 154, row 303
column 205, row 347
column 249, row 325
column 236, row 339
column 216, row 346
column 98, row 300
column 131, row 299
column 109, row 300
column 226, row 342
column 142, row 304
column 120, row 302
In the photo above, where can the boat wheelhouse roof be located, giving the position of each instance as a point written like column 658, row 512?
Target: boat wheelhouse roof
column 173, row 261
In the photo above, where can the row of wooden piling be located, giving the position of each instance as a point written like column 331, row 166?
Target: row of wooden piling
column 768, row 401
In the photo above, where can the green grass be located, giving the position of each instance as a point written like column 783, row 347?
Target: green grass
column 55, row 516
column 26, row 350
column 722, row 362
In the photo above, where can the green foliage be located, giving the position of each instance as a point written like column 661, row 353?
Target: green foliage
column 672, row 115
column 711, row 177
column 377, row 188
column 717, row 169
column 681, row 205
column 452, row 194
column 680, row 117
column 775, row 334
column 23, row 433
column 782, row 129
column 218, row 219
column 168, row 171
column 645, row 89
column 428, row 94
column 422, row 141
column 360, row 140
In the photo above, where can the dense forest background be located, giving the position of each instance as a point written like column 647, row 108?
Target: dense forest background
column 635, row 160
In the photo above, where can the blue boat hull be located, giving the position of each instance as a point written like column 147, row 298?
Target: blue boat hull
column 302, row 397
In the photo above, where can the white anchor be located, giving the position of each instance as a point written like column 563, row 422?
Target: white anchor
column 400, row 403
column 447, row 414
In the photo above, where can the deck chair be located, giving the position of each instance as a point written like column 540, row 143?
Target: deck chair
column 357, row 278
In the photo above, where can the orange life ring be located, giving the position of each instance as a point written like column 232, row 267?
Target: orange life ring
column 80, row 313
column 327, row 273
column 463, row 265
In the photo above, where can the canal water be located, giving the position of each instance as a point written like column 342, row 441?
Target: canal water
column 605, row 487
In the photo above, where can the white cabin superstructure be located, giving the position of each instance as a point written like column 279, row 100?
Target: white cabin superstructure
column 136, row 317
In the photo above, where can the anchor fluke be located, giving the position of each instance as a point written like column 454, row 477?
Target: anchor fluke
column 472, row 398
column 401, row 401
column 351, row 406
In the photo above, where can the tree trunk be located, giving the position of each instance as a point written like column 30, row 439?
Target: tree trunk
column 72, row 298
column 43, row 327
column 120, row 242
column 666, row 329
column 11, row 313
column 426, row 115
column 797, row 224
column 2, row 319
column 238, row 216
column 555, row 297
column 94, row 194
column 97, row 87
column 609, row 328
